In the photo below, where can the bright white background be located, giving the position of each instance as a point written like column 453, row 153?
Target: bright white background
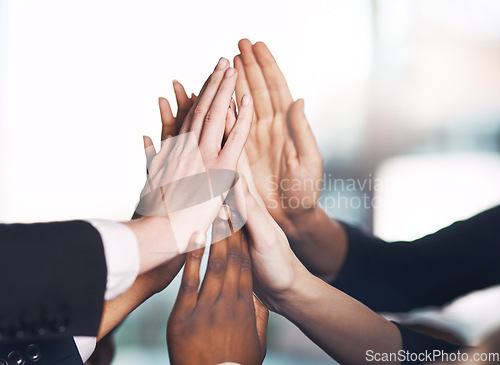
column 80, row 82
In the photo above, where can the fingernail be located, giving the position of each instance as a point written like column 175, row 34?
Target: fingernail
column 221, row 64
column 174, row 81
column 303, row 107
column 199, row 238
column 224, row 212
column 245, row 100
column 229, row 72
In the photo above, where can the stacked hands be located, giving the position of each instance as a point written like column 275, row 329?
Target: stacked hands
column 247, row 207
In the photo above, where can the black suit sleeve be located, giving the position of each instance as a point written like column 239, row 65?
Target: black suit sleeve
column 61, row 351
column 430, row 271
column 417, row 347
column 52, row 282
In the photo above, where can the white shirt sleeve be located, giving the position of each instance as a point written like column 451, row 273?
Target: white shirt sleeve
column 122, row 256
column 85, row 345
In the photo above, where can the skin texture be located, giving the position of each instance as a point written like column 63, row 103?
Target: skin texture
column 155, row 280
column 283, row 155
column 152, row 281
column 222, row 321
column 340, row 325
column 206, row 122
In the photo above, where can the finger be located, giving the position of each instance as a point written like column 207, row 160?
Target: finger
column 230, row 120
column 242, row 82
column 214, row 124
column 262, row 319
column 239, row 134
column 183, row 104
column 301, row 133
column 216, row 267
column 246, row 282
column 167, row 119
column 257, row 216
column 200, row 109
column 149, row 150
column 188, row 292
column 275, row 81
column 186, row 123
column 230, row 288
column 256, row 81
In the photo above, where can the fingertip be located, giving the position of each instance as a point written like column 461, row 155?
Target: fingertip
column 197, row 241
column 162, row 101
column 245, row 42
column 147, row 141
column 221, row 64
column 299, row 105
column 246, row 99
column 260, row 46
column 224, row 212
column 199, row 238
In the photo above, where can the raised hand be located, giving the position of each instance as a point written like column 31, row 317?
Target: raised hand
column 178, row 186
column 339, row 324
column 223, row 322
column 282, row 151
column 286, row 163
column 157, row 279
column 170, row 125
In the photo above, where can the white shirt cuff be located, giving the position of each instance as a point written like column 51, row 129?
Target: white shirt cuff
column 122, row 256
column 85, row 345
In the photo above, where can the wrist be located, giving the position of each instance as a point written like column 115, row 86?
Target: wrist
column 155, row 240
column 297, row 226
column 290, row 301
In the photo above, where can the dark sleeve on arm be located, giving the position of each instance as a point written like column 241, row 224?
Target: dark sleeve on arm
column 430, row 271
column 419, row 344
column 53, row 279
column 61, row 351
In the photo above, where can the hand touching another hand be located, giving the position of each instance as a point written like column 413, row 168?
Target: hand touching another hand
column 177, row 185
column 283, row 154
column 224, row 322
column 286, row 163
column 157, row 279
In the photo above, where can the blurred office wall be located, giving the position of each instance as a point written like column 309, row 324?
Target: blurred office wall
column 382, row 80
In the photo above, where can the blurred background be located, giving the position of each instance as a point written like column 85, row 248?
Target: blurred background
column 403, row 97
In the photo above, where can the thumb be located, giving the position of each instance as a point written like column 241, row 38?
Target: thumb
column 262, row 318
column 149, row 150
column 300, row 131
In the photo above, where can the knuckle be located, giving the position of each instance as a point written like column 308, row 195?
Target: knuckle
column 213, row 80
column 246, row 263
column 199, row 111
column 238, row 136
column 210, row 117
column 196, row 254
column 234, row 255
column 221, row 229
column 217, row 265
column 259, row 92
column 279, row 115
column 189, row 285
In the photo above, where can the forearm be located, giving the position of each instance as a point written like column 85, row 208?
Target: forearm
column 145, row 286
column 116, row 310
column 319, row 242
column 343, row 327
column 156, row 241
